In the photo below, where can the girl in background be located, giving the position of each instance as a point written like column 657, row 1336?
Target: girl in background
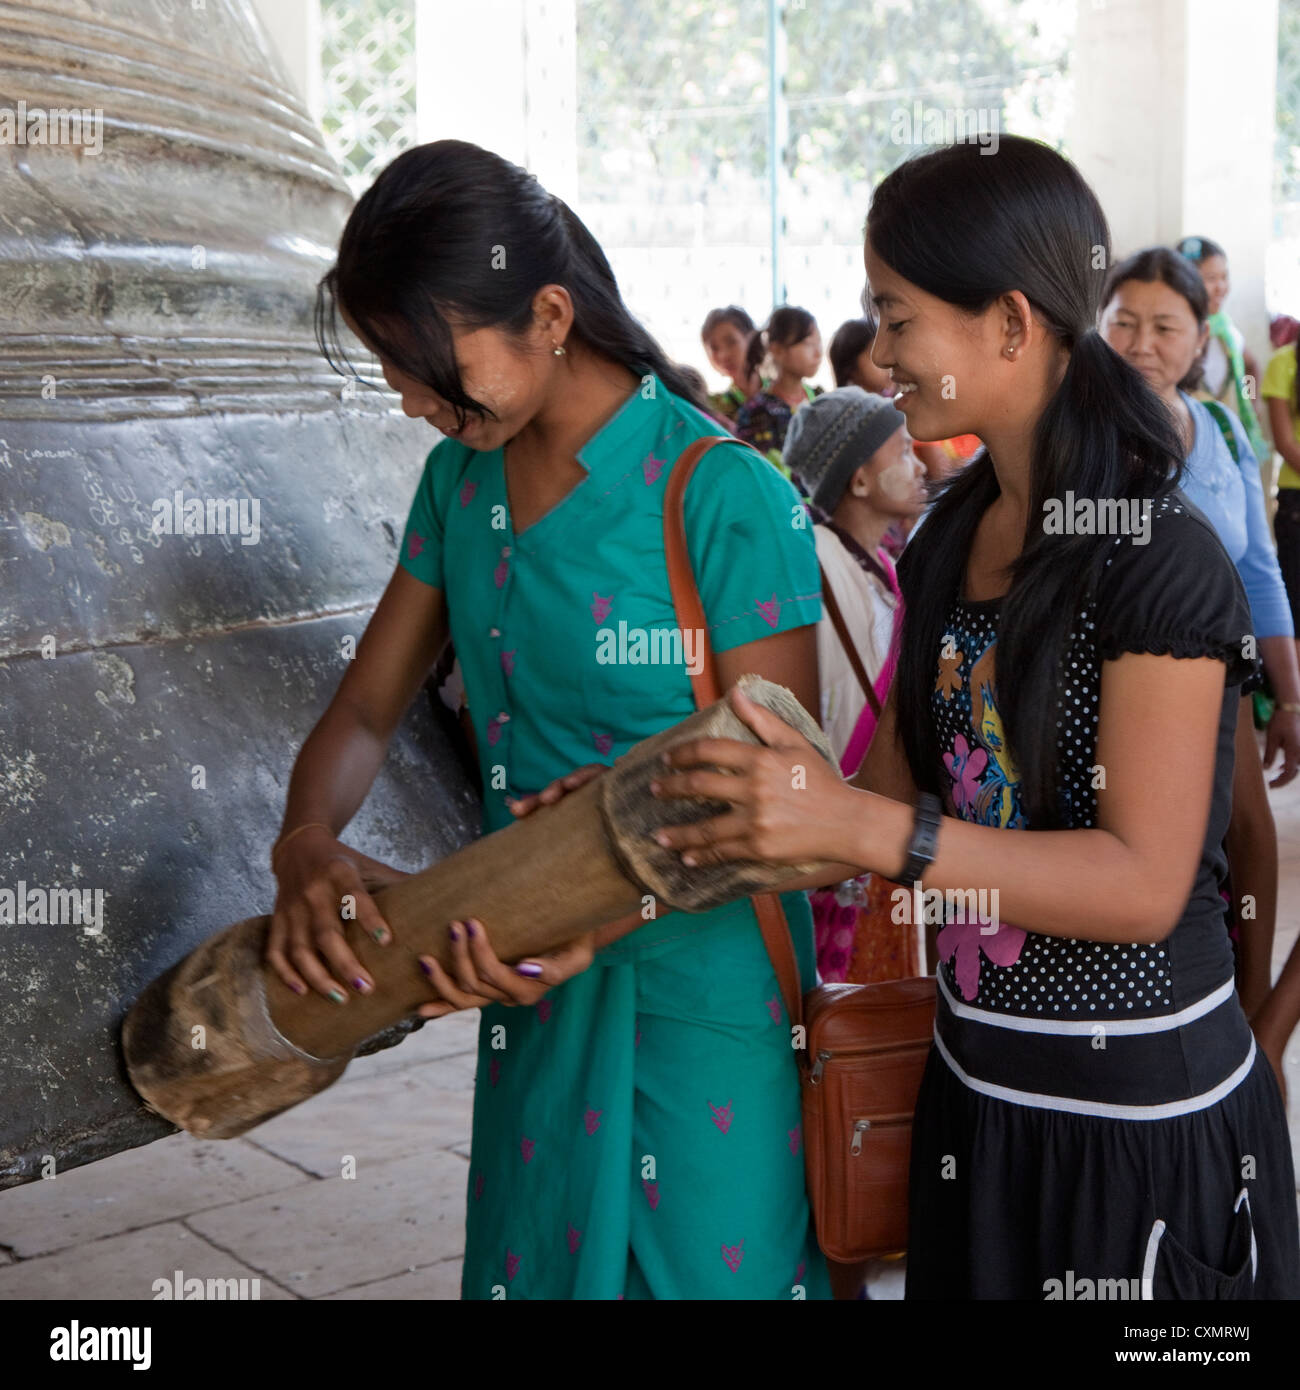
column 794, row 347
column 850, row 357
column 735, row 350
column 1094, row 1084
column 1228, row 362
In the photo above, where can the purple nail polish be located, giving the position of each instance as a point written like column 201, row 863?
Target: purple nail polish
column 453, row 933
column 360, row 985
column 469, row 927
column 297, row 989
column 529, row 969
column 427, row 968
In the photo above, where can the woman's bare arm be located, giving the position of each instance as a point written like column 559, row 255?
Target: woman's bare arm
column 788, row 658
column 1252, row 862
column 1127, row 880
column 343, row 753
column 331, row 777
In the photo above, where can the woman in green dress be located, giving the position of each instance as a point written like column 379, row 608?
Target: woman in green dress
column 637, row 1113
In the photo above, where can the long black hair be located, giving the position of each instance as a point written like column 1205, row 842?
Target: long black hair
column 450, row 231
column 1172, row 268
column 852, row 338
column 969, row 228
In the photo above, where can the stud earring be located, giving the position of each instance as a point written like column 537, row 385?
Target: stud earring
column 557, row 349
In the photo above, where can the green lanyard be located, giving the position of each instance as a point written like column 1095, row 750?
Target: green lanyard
column 1221, row 328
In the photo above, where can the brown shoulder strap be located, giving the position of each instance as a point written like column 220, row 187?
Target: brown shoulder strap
column 690, row 614
column 850, row 650
column 681, row 577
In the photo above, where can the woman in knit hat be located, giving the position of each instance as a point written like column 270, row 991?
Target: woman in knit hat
column 850, row 452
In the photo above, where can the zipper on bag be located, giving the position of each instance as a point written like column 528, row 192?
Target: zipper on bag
column 861, row 1127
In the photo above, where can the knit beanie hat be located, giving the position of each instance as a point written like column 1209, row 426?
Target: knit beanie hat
column 834, row 435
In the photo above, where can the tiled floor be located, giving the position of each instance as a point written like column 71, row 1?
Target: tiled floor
column 359, row 1193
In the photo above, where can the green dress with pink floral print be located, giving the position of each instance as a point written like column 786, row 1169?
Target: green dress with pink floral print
column 637, row 1133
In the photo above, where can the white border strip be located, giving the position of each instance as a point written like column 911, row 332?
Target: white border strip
column 1244, row 1196
column 1149, row 1262
column 1106, row 1109
column 1160, row 1023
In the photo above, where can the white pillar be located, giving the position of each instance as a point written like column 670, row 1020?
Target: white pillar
column 294, row 29
column 1230, row 120
column 1173, row 127
column 502, row 73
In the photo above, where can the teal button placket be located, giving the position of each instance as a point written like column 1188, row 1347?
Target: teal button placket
column 505, row 556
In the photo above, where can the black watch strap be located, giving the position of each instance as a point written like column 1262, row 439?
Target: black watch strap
column 925, row 836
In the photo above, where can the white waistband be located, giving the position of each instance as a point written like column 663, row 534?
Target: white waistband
column 1106, row 1109
column 1157, row 1023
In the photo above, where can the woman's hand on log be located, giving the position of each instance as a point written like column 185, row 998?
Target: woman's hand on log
column 306, row 945
column 553, row 791
column 788, row 804
column 477, row 976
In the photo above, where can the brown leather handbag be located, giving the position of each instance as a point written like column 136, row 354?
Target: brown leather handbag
column 865, row 1046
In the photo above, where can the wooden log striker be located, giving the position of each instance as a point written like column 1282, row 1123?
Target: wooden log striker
column 218, row 1043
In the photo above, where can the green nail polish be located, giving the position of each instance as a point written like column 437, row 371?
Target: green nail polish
column 378, row 933
column 336, row 996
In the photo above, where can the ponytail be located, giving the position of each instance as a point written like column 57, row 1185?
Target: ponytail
column 603, row 322
column 755, row 354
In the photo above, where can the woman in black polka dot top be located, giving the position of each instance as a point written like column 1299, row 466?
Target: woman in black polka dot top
column 1094, row 1107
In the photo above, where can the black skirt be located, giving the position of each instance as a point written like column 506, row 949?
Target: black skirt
column 1014, row 1201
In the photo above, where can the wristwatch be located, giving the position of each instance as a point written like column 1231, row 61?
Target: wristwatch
column 925, row 836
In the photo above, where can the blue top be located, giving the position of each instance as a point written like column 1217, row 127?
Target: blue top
column 1232, row 498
